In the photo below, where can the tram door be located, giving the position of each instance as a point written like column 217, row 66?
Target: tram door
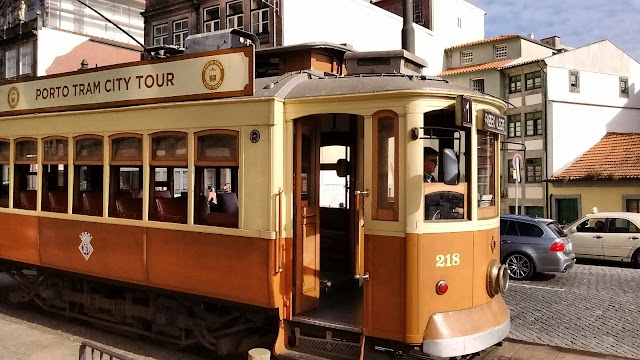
column 307, row 210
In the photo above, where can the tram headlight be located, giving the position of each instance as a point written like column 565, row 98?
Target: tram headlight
column 497, row 278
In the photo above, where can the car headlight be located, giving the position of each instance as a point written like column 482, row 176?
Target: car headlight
column 497, row 278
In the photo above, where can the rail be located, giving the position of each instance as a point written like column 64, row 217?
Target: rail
column 98, row 352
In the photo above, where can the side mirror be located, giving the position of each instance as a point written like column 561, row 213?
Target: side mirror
column 451, row 167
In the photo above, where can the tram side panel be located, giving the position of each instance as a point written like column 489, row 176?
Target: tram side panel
column 19, row 240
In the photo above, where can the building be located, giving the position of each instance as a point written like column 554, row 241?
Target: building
column 52, row 36
column 356, row 23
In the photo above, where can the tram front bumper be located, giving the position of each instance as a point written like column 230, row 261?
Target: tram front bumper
column 468, row 331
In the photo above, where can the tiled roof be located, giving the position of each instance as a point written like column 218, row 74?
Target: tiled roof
column 615, row 156
column 472, row 68
column 484, row 41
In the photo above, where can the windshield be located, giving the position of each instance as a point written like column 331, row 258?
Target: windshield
column 556, row 229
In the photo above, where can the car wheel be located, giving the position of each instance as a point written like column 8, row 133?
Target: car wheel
column 636, row 258
column 520, row 266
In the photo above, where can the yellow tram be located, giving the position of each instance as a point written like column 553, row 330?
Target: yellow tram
column 184, row 199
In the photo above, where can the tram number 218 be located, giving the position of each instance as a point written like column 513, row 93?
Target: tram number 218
column 447, row 260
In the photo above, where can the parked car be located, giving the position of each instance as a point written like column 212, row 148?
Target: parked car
column 607, row 235
column 529, row 245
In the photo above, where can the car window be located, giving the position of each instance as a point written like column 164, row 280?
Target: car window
column 593, row 225
column 556, row 229
column 503, row 226
column 617, row 225
column 511, row 228
column 526, row 229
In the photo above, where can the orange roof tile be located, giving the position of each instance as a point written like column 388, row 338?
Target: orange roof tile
column 615, row 156
column 472, row 68
column 484, row 41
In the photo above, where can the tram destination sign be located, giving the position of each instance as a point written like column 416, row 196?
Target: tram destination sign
column 493, row 122
column 208, row 75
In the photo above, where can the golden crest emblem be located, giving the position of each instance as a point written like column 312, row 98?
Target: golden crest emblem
column 13, row 98
column 212, row 74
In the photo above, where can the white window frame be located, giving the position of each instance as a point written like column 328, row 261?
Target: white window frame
column 417, row 12
column 500, row 51
column 212, row 24
column 574, row 86
column 11, row 64
column 466, row 57
column 475, row 84
column 260, row 21
column 160, row 34
column 26, row 58
column 624, row 87
column 235, row 21
column 180, row 31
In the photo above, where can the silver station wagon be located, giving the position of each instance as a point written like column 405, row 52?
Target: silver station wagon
column 529, row 245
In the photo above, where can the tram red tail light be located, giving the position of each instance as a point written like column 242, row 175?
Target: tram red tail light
column 441, row 287
column 557, row 247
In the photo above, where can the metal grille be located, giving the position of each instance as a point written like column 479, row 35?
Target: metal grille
column 328, row 345
column 91, row 351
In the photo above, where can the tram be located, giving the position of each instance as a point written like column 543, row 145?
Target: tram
column 190, row 201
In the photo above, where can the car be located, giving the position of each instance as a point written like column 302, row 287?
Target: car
column 530, row 245
column 607, row 235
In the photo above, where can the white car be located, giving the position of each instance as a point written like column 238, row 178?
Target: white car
column 607, row 235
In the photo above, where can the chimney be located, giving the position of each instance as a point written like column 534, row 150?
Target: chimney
column 553, row 41
column 408, row 34
column 531, row 35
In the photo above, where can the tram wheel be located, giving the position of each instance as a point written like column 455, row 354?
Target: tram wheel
column 520, row 266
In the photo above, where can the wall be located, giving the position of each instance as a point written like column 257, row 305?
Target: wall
column 369, row 28
column 492, row 82
column 606, row 196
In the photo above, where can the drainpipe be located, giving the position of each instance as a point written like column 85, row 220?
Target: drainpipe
column 196, row 7
column 544, row 139
column 408, row 34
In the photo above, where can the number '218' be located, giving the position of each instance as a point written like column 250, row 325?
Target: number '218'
column 448, row 260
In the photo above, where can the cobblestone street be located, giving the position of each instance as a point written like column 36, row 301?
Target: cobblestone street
column 592, row 307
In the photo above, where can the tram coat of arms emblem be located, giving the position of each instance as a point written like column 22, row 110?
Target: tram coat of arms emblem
column 85, row 246
column 212, row 74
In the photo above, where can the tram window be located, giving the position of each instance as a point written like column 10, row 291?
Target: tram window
column 125, row 194
column 25, row 176
column 334, row 177
column 487, row 181
column 169, row 177
column 4, row 163
column 88, row 175
column 385, row 160
column 55, row 190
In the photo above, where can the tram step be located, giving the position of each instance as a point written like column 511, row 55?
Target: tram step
column 311, row 341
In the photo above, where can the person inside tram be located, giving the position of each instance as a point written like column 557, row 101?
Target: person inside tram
column 429, row 164
column 439, row 204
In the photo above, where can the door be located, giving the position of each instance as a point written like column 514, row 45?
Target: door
column 621, row 238
column 588, row 235
column 567, row 210
column 358, row 193
column 307, row 215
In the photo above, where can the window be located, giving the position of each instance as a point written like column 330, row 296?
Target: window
column 533, row 80
column 624, row 87
column 12, row 64
column 466, row 57
column 574, row 81
column 509, row 175
column 25, row 174
column 211, row 19
column 500, row 51
column 385, row 169
column 88, row 171
column 2, row 67
column 26, row 59
column 515, row 84
column 334, row 182
column 534, row 123
column 235, row 18
column 4, row 165
column 534, row 211
column 477, row 85
column 259, row 17
column 168, row 167
column 216, row 184
column 160, row 34
column 180, row 32
column 512, row 210
column 125, row 194
column 417, row 11
column 55, row 174
column 486, row 173
column 632, row 205
column 534, row 170
column 459, row 23
column 621, row 226
column 592, row 225
column 527, row 229
column 514, row 124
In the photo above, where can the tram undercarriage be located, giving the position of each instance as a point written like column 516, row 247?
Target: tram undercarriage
column 172, row 318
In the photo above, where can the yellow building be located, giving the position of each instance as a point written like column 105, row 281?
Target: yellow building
column 605, row 177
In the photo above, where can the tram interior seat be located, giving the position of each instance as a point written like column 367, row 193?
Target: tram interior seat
column 58, row 201
column 172, row 209
column 92, row 203
column 162, row 194
column 28, row 199
column 136, row 193
column 130, row 208
column 225, row 214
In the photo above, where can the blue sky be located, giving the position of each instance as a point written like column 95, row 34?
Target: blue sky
column 576, row 22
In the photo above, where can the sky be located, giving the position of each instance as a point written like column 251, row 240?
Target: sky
column 576, row 22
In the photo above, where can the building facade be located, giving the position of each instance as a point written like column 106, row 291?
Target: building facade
column 356, row 23
column 52, row 36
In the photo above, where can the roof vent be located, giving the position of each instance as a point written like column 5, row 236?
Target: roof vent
column 223, row 39
column 384, row 62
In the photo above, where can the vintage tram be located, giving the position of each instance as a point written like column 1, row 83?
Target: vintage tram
column 187, row 200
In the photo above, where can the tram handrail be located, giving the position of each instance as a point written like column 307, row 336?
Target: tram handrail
column 279, row 245
column 101, row 352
